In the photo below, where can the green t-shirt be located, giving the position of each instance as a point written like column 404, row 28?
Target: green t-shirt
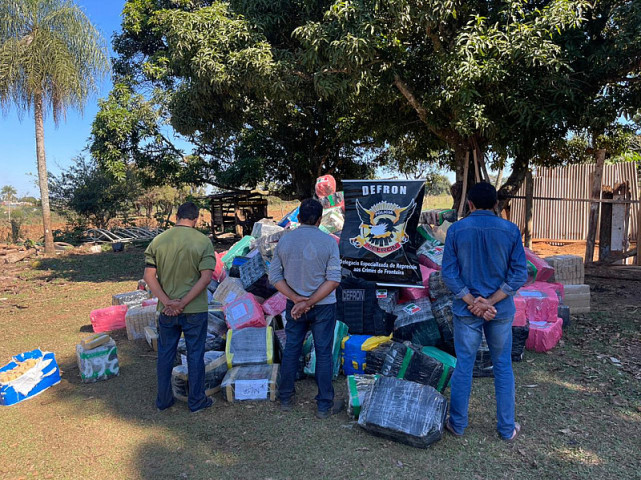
column 179, row 255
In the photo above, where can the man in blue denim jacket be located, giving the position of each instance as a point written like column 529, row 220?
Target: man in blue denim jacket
column 483, row 265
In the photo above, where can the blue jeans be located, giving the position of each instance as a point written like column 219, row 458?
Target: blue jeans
column 467, row 339
column 322, row 320
column 194, row 327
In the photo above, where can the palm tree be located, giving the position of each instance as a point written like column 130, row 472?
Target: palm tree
column 8, row 195
column 51, row 58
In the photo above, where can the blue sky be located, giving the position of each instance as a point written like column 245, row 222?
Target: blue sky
column 17, row 134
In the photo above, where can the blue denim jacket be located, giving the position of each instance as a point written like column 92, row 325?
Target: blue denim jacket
column 483, row 253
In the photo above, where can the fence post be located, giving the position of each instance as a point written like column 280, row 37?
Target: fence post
column 594, row 206
column 605, row 229
column 639, row 236
column 529, row 206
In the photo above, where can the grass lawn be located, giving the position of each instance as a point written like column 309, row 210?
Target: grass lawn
column 580, row 410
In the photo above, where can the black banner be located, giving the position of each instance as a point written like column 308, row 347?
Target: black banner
column 378, row 238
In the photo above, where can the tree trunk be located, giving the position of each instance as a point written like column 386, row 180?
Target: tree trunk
column 513, row 183
column 42, row 175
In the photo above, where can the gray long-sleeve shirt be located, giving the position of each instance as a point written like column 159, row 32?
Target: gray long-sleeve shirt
column 305, row 258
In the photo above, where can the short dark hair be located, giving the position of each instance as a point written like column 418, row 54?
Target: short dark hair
column 310, row 211
column 482, row 195
column 188, row 211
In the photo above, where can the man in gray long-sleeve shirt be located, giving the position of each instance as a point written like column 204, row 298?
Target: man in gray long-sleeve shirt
column 306, row 269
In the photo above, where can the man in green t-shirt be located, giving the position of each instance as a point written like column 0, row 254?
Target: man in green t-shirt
column 179, row 264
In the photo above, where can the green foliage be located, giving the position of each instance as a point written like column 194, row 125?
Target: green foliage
column 86, row 194
column 16, row 225
column 8, row 193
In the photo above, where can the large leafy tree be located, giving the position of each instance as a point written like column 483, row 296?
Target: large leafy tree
column 51, row 57
column 228, row 78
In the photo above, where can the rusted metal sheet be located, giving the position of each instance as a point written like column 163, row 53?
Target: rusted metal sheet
column 568, row 219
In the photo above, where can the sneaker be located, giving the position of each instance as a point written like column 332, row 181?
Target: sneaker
column 209, row 403
column 337, row 408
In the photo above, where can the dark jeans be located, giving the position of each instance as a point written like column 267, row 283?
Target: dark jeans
column 194, row 327
column 322, row 320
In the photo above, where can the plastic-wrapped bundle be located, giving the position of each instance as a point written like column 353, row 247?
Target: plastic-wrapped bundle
column 358, row 387
column 275, row 305
column 131, row 299
column 541, row 302
column 151, row 336
column 356, row 306
column 354, row 350
column 238, row 249
column 262, row 288
column 430, row 254
column 334, row 200
column 150, row 301
column 267, row 244
column 256, row 382
column 437, row 286
column 387, row 299
column 333, row 219
column 137, row 318
column 244, row 312
column 219, row 271
column 325, row 186
column 564, row 315
column 520, row 317
column 250, row 346
column 568, row 269
column 483, row 363
column 252, row 270
column 229, row 290
column 215, row 371
column 265, row 227
column 107, row 319
column 216, row 323
column 403, row 411
column 544, row 335
column 374, row 359
column 100, row 363
column 416, row 323
column 442, row 311
column 407, row 361
column 27, row 375
column 281, row 341
column 543, row 269
column 291, row 219
column 448, row 362
column 519, row 337
column 213, row 343
column 213, row 285
column 340, row 331
column 408, row 294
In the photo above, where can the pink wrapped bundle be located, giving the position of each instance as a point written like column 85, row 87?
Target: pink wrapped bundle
column 544, row 335
column 325, row 186
column 219, row 272
column 244, row 312
column 275, row 305
column 520, row 317
column 150, row 301
column 110, row 318
column 431, row 257
column 408, row 294
column 544, row 270
column 541, row 302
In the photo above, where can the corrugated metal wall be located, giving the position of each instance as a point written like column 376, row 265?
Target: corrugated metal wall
column 567, row 219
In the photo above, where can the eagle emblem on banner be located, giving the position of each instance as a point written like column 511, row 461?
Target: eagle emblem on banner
column 382, row 229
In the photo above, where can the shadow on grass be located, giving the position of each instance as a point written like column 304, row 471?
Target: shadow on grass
column 97, row 267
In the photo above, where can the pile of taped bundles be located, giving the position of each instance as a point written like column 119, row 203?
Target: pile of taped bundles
column 449, row 364
column 137, row 318
column 568, row 269
column 387, row 299
column 244, row 312
column 332, row 220
column 229, row 290
column 374, row 359
column 253, row 275
column 267, row 244
column 407, row 412
column 483, row 363
column 354, row 351
column 281, row 342
column 430, row 253
column 97, row 358
column 238, row 249
column 416, row 323
column 358, row 308
column 131, row 299
column 107, row 319
column 442, row 311
column 340, row 331
column 265, row 227
column 519, row 337
column 212, row 343
column 407, row 361
column 255, row 382
column 409, row 294
column 577, row 297
column 358, row 387
column 27, row 375
column 250, row 346
column 215, row 371
column 275, row 305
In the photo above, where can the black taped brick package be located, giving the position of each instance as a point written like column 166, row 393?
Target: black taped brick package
column 519, row 337
column 404, row 411
column 404, row 360
column 442, row 311
column 375, row 358
column 416, row 323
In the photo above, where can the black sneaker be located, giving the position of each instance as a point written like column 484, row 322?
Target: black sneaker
column 210, row 402
column 337, row 408
column 287, row 405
